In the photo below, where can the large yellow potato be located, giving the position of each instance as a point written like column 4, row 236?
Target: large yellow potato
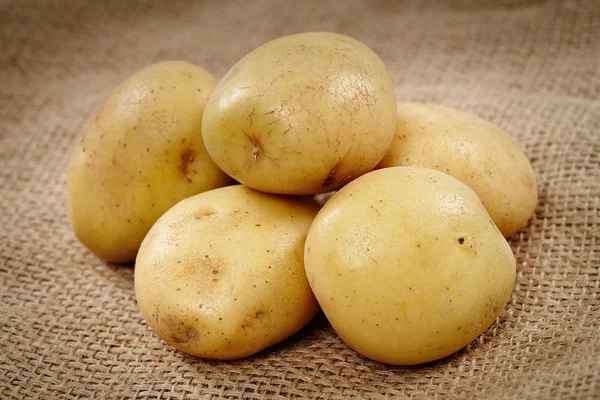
column 473, row 151
column 141, row 153
column 302, row 114
column 407, row 265
column 221, row 274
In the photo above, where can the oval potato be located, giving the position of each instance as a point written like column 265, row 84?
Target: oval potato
column 407, row 265
column 302, row 114
column 473, row 151
column 221, row 274
column 141, row 153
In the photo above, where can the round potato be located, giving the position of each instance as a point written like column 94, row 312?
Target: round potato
column 141, row 153
column 407, row 265
column 473, row 151
column 303, row 114
column 221, row 274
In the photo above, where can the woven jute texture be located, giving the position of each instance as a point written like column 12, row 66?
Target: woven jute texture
column 69, row 324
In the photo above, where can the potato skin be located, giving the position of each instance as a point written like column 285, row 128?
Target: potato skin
column 407, row 265
column 302, row 114
column 141, row 153
column 221, row 274
column 473, row 151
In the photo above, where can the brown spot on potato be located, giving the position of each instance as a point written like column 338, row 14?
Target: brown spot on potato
column 331, row 178
column 192, row 333
column 255, row 143
column 201, row 271
column 461, row 240
column 187, row 157
column 204, row 213
column 336, row 176
column 251, row 318
column 255, row 152
column 376, row 210
column 177, row 334
column 178, row 339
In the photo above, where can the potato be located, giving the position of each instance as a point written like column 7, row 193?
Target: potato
column 473, row 151
column 141, row 153
column 221, row 274
column 303, row 114
column 407, row 265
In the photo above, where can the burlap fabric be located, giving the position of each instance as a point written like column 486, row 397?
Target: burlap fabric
column 69, row 324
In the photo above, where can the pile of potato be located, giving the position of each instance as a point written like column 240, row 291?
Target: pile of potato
column 408, row 262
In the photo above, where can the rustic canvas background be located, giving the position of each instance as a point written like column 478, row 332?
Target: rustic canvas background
column 69, row 325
